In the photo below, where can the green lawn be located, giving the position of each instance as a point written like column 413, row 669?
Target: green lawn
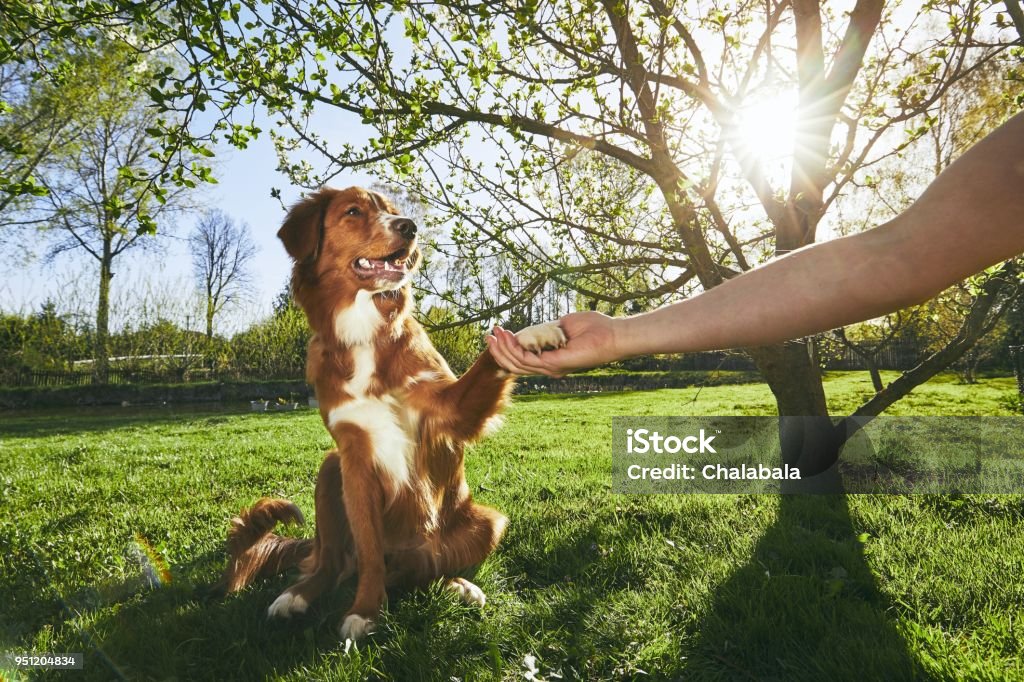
column 595, row 586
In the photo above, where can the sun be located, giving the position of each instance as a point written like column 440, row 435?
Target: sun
column 765, row 126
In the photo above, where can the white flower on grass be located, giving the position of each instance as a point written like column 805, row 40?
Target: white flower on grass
column 531, row 672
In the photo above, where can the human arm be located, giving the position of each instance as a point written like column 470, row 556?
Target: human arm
column 969, row 218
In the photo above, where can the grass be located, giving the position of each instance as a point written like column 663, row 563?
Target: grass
column 596, row 586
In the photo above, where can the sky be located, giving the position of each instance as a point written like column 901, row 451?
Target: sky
column 243, row 192
column 245, row 179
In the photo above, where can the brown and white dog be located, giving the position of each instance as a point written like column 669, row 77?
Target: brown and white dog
column 392, row 503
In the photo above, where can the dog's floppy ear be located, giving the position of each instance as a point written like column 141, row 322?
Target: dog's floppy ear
column 384, row 203
column 303, row 230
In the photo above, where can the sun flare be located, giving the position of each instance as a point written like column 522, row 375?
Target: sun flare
column 765, row 126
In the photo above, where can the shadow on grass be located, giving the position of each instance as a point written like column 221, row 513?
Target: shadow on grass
column 184, row 631
column 72, row 421
column 806, row 607
column 181, row 631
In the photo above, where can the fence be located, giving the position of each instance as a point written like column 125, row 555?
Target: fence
column 691, row 362
column 115, row 377
column 892, row 358
column 898, row 357
column 895, row 357
column 26, row 378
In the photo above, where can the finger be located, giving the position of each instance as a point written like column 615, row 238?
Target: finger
column 533, row 363
column 514, row 354
column 503, row 358
column 511, row 345
column 528, row 362
column 500, row 356
column 543, row 364
column 508, row 339
column 556, row 363
column 525, row 362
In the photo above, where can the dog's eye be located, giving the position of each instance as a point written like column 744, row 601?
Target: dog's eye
column 353, row 211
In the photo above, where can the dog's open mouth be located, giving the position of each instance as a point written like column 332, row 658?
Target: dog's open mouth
column 393, row 267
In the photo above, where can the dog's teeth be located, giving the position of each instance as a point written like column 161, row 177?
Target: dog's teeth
column 363, row 263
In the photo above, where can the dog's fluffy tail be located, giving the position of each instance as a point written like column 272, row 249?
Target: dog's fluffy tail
column 254, row 551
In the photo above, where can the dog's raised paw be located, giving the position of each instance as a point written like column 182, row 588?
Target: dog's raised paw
column 546, row 336
column 287, row 605
column 468, row 592
column 354, row 628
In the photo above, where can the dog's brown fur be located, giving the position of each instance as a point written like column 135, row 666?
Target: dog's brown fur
column 378, row 379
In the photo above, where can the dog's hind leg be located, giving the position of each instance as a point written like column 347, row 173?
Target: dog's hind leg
column 467, row 544
column 468, row 539
column 331, row 560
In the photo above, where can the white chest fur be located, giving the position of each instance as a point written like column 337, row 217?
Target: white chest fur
column 390, row 429
column 357, row 324
column 391, row 426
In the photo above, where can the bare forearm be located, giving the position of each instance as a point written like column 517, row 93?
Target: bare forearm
column 971, row 217
column 827, row 286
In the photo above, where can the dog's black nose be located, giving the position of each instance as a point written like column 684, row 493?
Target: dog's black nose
column 406, row 228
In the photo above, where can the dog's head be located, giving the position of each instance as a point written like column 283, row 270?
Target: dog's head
column 353, row 238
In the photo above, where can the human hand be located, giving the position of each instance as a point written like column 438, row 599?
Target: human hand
column 591, row 341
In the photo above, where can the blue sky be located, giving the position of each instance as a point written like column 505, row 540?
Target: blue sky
column 243, row 192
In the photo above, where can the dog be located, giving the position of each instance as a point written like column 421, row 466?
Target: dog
column 392, row 504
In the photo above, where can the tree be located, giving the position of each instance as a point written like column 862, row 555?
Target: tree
column 482, row 105
column 970, row 109
column 459, row 344
column 870, row 339
column 662, row 89
column 222, row 252
column 45, row 340
column 100, row 190
column 274, row 348
column 34, row 119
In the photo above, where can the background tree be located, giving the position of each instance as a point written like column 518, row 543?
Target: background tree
column 222, row 253
column 44, row 340
column 273, row 348
column 869, row 340
column 100, row 190
column 34, row 120
column 459, row 344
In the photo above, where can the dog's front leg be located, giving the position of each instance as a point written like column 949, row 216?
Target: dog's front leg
column 364, row 506
column 468, row 403
column 480, row 393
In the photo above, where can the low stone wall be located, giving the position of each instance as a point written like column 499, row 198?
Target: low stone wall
column 226, row 392
column 151, row 394
column 647, row 381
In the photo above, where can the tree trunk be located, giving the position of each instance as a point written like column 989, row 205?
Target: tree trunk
column 793, row 377
column 876, row 376
column 101, row 360
column 807, row 437
column 209, row 317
